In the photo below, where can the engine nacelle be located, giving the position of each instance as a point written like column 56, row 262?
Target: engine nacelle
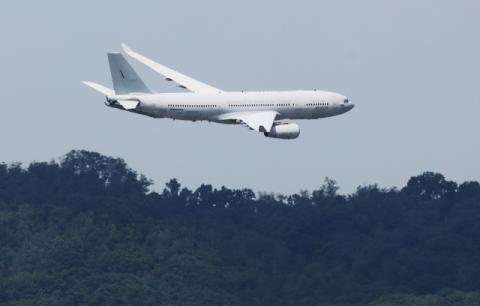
column 284, row 131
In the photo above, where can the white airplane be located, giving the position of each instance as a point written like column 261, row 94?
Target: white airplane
column 257, row 111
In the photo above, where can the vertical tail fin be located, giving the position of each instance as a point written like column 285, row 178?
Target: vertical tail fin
column 125, row 79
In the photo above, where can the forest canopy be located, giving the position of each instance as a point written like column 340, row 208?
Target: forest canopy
column 86, row 230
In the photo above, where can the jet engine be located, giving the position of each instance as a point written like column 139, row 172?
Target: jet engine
column 284, row 131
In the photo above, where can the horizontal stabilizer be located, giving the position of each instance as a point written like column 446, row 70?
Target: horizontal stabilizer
column 127, row 104
column 106, row 91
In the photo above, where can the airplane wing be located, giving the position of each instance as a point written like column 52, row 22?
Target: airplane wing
column 260, row 121
column 171, row 75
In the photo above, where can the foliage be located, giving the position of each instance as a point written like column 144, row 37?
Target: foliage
column 446, row 297
column 86, row 231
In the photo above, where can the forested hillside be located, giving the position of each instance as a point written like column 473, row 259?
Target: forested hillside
column 86, row 231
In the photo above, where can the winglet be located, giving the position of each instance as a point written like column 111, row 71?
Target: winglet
column 126, row 48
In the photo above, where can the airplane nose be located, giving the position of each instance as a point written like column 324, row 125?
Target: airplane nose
column 350, row 105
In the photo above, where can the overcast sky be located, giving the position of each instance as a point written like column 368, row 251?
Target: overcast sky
column 412, row 68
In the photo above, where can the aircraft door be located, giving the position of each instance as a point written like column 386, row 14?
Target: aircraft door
column 333, row 109
column 161, row 109
column 298, row 104
column 299, row 109
column 222, row 107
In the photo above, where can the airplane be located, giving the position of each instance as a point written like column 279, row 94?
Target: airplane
column 259, row 111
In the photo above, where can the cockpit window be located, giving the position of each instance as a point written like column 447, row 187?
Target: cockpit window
column 345, row 101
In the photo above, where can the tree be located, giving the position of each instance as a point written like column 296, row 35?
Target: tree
column 431, row 186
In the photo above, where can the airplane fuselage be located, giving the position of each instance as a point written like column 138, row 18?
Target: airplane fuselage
column 211, row 106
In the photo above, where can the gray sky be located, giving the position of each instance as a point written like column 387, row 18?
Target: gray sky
column 410, row 67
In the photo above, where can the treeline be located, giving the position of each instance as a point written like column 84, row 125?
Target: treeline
column 86, row 231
